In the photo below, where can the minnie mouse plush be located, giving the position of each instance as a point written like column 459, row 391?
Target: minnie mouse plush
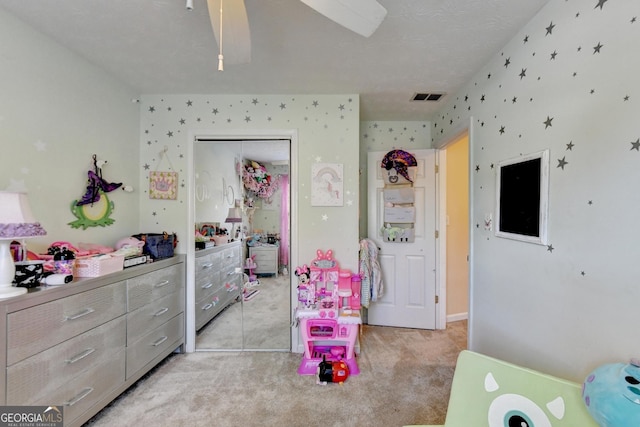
column 306, row 293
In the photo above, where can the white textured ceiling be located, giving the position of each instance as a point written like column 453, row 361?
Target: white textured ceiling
column 157, row 46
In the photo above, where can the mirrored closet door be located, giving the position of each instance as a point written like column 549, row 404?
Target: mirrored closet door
column 242, row 283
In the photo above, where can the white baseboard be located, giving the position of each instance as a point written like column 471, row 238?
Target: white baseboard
column 457, row 316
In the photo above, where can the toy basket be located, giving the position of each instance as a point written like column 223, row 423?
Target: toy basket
column 99, row 265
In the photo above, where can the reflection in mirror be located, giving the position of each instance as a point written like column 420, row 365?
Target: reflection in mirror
column 242, row 287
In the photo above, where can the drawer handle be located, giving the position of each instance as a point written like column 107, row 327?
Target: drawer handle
column 207, row 286
column 84, row 393
column 161, row 284
column 208, row 265
column 160, row 312
column 80, row 356
column 160, row 341
column 80, row 314
column 207, row 307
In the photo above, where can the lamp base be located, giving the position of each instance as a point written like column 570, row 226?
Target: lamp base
column 8, row 291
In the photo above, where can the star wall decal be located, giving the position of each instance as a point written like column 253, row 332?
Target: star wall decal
column 596, row 48
column 550, row 28
column 600, row 4
column 325, row 217
column 547, row 123
column 570, row 146
column 507, row 63
column 550, row 248
column 635, row 145
column 562, row 163
column 523, row 73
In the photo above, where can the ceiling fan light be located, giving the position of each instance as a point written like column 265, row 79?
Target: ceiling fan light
column 360, row 16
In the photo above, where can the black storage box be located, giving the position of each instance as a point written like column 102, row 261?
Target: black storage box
column 157, row 245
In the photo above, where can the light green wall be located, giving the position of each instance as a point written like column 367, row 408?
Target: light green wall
column 567, row 82
column 328, row 129
column 56, row 111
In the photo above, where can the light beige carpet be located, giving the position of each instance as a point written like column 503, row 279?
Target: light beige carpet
column 405, row 379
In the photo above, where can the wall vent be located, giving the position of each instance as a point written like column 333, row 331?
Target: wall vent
column 421, row 96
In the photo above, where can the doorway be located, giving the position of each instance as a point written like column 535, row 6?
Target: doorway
column 455, row 156
column 218, row 161
column 408, row 262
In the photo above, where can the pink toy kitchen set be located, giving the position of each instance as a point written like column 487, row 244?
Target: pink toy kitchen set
column 328, row 313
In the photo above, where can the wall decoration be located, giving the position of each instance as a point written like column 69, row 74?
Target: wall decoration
column 327, row 184
column 397, row 170
column 163, row 185
column 522, row 188
column 257, row 180
column 94, row 207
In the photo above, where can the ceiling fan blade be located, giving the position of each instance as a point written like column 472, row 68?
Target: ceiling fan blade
column 236, row 37
column 360, row 16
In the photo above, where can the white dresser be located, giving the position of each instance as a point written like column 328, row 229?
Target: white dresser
column 218, row 277
column 266, row 258
column 81, row 344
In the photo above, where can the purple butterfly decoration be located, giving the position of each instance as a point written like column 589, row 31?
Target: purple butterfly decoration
column 96, row 184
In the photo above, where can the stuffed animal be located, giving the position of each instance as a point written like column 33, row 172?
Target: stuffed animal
column 612, row 394
column 306, row 290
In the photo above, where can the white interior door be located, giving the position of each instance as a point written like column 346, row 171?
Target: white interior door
column 408, row 269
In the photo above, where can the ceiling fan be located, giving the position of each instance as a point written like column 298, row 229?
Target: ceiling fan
column 234, row 41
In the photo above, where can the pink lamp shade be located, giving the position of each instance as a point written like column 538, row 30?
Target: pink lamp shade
column 16, row 222
column 16, row 219
column 234, row 215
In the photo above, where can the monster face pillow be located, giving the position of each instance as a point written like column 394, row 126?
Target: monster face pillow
column 612, row 394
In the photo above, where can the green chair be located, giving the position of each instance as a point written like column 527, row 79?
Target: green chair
column 488, row 392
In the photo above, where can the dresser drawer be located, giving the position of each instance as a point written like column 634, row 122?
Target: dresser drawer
column 207, row 283
column 154, row 343
column 152, row 315
column 230, row 256
column 229, row 274
column 208, row 263
column 38, row 328
column 38, row 376
column 82, row 393
column 143, row 289
column 208, row 307
column 268, row 257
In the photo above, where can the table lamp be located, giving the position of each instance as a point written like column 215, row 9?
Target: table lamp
column 234, row 216
column 16, row 223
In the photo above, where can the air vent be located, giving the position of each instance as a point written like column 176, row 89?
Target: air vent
column 420, row 96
